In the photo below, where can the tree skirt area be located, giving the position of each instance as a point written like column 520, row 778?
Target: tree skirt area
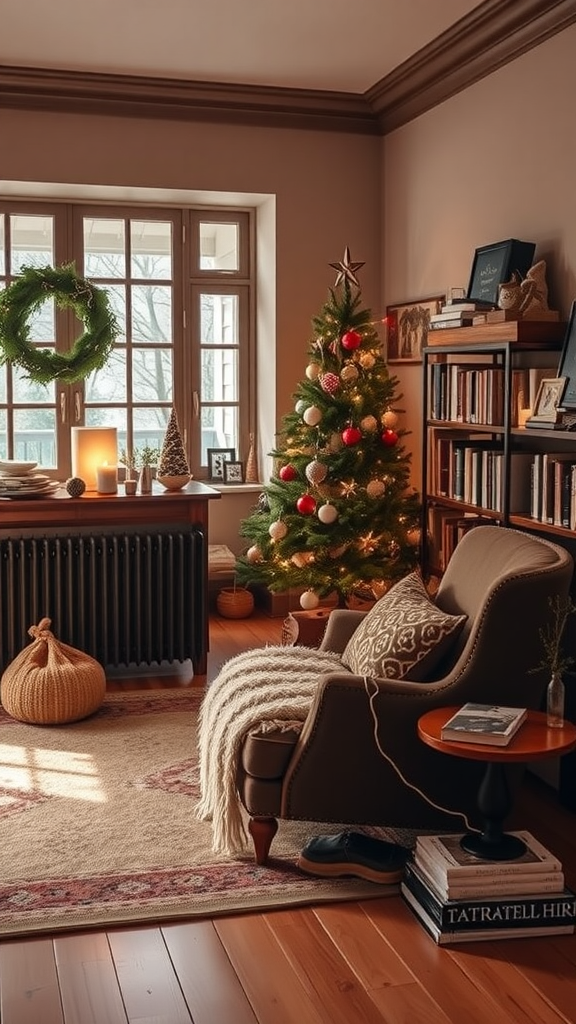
column 97, row 826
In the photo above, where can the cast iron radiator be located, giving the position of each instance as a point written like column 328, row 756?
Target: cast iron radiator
column 122, row 598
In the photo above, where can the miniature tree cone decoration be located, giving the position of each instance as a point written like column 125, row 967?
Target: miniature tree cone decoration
column 173, row 469
column 251, row 476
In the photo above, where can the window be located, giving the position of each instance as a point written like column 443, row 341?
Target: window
column 180, row 282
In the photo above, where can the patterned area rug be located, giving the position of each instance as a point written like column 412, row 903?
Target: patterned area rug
column 97, row 826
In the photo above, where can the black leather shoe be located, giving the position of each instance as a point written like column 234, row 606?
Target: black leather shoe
column 352, row 853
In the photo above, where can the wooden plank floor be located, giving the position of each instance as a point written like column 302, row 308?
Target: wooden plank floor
column 352, row 963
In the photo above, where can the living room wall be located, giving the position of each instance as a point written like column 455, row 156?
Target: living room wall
column 496, row 161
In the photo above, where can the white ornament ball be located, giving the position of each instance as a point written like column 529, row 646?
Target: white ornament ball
column 301, row 406
column 277, row 530
column 367, row 360
column 254, row 554
column 316, row 472
column 375, row 488
column 349, row 373
column 309, row 600
column 389, row 419
column 327, row 513
column 312, row 415
column 369, row 424
column 312, row 371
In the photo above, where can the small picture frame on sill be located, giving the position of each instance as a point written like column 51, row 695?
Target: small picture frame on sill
column 217, row 457
column 548, row 400
column 233, row 472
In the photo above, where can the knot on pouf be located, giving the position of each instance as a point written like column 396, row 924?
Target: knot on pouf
column 49, row 683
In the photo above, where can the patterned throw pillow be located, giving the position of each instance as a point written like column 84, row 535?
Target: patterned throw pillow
column 404, row 636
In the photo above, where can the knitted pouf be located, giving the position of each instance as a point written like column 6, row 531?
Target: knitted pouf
column 49, row 683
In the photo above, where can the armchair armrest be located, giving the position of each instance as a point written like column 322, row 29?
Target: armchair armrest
column 340, row 626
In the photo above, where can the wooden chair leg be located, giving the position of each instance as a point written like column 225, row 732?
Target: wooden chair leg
column 262, row 831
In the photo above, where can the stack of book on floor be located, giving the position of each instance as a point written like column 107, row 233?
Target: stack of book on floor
column 457, row 314
column 459, row 897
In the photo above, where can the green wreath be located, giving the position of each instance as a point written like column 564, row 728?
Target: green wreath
column 91, row 305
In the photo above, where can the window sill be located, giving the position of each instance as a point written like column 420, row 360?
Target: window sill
column 234, row 488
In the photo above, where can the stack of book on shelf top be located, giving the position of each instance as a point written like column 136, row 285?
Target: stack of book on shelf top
column 458, row 313
column 459, row 897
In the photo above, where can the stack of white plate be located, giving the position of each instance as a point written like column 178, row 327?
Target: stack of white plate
column 20, row 480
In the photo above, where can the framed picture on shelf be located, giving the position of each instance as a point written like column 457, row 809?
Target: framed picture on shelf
column 407, row 326
column 548, row 399
column 217, row 457
column 233, row 472
column 567, row 367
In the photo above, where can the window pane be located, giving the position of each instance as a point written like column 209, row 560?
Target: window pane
column 219, row 319
column 3, row 384
column 2, row 246
column 219, row 428
column 117, row 296
column 219, row 248
column 151, row 243
column 151, row 313
column 27, row 392
column 32, row 242
column 219, row 375
column 150, row 426
column 35, row 436
column 3, row 434
column 104, row 247
column 109, row 383
column 152, row 375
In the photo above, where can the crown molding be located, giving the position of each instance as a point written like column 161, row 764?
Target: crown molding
column 493, row 34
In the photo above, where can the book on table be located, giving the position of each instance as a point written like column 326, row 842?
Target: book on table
column 500, row 885
column 483, row 723
column 502, row 910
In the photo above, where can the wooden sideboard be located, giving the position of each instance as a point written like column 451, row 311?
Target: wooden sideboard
column 122, row 577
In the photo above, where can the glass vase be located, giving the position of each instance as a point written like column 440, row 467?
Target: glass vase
column 555, row 701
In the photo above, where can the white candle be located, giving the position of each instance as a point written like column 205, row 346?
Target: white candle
column 106, row 479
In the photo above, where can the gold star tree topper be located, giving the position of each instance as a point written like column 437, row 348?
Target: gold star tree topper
column 346, row 269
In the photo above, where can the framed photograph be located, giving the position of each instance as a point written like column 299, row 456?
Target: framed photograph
column 493, row 264
column 567, row 367
column 548, row 399
column 216, row 459
column 233, row 472
column 407, row 327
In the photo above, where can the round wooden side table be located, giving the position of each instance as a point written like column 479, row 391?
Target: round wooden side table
column 534, row 741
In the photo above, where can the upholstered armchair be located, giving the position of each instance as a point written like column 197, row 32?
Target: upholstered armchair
column 338, row 766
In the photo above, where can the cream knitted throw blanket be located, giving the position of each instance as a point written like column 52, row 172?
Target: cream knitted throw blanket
column 270, row 686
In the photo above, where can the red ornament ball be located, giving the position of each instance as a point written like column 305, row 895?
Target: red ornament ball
column 351, row 340
column 389, row 437
column 306, row 505
column 287, row 473
column 351, row 435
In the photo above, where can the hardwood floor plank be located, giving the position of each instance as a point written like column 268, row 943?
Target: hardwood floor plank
column 325, row 974
column 272, row 986
column 373, row 961
column 29, row 991
column 210, row 985
column 147, row 980
column 88, row 982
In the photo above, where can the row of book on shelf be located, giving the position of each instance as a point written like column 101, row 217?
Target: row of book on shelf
column 459, row 897
column 469, row 313
column 474, row 392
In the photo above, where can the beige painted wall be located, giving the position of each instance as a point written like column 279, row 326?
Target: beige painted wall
column 497, row 161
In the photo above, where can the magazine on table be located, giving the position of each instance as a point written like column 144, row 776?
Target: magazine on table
column 483, row 723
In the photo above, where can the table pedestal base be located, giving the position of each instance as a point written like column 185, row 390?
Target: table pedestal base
column 494, row 803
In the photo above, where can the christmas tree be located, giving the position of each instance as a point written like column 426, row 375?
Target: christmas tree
column 173, row 460
column 338, row 515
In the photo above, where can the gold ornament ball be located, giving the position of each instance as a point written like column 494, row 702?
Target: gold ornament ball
column 75, row 486
column 316, row 472
column 348, row 373
column 375, row 488
column 367, row 360
column 254, row 554
column 369, row 424
column 413, row 537
column 389, row 419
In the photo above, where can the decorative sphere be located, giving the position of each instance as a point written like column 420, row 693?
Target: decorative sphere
column 327, row 513
column 316, row 472
column 389, row 419
column 309, row 600
column 375, row 488
column 312, row 371
column 75, row 486
column 367, row 360
column 300, row 559
column 369, row 424
column 389, row 438
column 351, row 435
column 287, row 473
column 254, row 554
column 306, row 505
column 277, row 530
column 312, row 415
column 413, row 537
column 335, row 442
column 301, row 406
column 329, row 382
column 351, row 340
column 349, row 373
